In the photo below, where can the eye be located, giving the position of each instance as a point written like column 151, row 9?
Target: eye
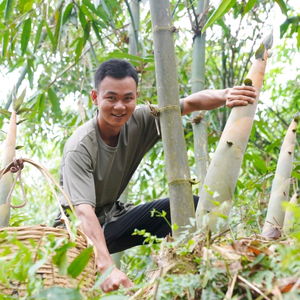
column 129, row 98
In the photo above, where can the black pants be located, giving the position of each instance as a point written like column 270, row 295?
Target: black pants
column 119, row 236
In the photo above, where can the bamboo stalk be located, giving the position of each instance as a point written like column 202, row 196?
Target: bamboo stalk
column 289, row 214
column 219, row 185
column 134, row 27
column 177, row 167
column 281, row 182
column 198, row 80
column 6, row 182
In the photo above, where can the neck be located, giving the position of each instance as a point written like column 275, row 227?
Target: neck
column 110, row 136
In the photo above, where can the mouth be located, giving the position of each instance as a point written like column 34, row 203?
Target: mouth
column 118, row 116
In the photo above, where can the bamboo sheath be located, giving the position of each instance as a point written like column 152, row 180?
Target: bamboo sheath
column 281, row 183
column 177, row 167
column 219, row 185
column 6, row 182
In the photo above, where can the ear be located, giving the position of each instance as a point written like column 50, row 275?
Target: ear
column 94, row 96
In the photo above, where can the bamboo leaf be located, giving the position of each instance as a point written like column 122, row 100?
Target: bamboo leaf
column 79, row 263
column 298, row 38
column 25, row 109
column 61, row 293
column 87, row 30
column 282, row 6
column 38, row 35
column 25, row 35
column 54, row 102
column 285, row 25
column 95, row 27
column 41, row 106
column 5, row 112
column 8, row 9
column 86, row 12
column 219, row 13
column 79, row 48
column 5, row 43
column 248, row 6
column 18, row 102
column 50, row 34
column 29, row 72
column 82, row 18
column 67, row 13
column 57, row 30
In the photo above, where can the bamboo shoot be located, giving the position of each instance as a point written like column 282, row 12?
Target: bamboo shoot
column 219, row 185
column 281, row 183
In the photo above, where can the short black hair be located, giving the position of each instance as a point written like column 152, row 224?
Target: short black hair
column 116, row 68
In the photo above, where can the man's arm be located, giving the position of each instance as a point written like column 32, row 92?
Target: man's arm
column 211, row 99
column 91, row 227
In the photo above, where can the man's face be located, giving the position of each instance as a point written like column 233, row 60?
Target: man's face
column 116, row 101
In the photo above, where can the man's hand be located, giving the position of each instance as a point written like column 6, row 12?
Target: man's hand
column 240, row 96
column 115, row 279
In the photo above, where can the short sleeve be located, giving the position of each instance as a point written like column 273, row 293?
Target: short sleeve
column 78, row 179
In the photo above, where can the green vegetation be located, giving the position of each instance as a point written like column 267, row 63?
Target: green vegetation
column 53, row 48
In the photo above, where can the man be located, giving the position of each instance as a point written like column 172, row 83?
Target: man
column 102, row 155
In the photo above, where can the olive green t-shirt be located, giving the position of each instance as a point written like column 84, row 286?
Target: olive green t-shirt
column 94, row 173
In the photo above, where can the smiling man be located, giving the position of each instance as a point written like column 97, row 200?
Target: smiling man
column 102, row 155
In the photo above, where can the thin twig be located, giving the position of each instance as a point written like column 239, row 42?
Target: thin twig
column 253, row 287
column 190, row 17
column 157, row 283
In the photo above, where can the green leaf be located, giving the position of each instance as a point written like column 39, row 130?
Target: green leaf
column 296, row 175
column 8, row 9
column 82, row 18
column 298, row 38
column 61, row 293
column 282, row 6
column 67, row 13
column 95, row 27
column 5, row 42
column 101, row 279
column 25, row 35
column 19, row 101
column 50, row 34
column 79, row 48
column 87, row 12
column 5, row 112
column 41, row 105
column 38, row 35
column 54, row 102
column 219, row 13
column 79, row 263
column 29, row 72
column 61, row 258
column 248, row 6
column 123, row 55
column 25, row 109
column 57, row 30
column 87, row 30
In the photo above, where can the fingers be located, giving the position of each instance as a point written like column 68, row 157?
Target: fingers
column 241, row 96
column 233, row 103
column 115, row 280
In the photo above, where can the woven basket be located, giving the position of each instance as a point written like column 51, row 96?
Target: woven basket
column 48, row 272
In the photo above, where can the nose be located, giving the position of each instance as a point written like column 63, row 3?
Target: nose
column 119, row 105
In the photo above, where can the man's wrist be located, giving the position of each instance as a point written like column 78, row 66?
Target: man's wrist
column 104, row 265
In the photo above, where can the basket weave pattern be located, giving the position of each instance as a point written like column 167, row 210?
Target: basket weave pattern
column 48, row 272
